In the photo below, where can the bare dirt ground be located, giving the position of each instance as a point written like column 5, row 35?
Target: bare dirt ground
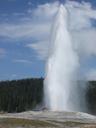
column 47, row 119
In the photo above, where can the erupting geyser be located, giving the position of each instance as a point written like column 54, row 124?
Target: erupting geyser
column 61, row 72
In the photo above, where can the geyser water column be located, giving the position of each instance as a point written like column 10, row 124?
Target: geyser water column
column 59, row 85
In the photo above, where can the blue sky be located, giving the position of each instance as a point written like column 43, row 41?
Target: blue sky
column 29, row 66
column 24, row 29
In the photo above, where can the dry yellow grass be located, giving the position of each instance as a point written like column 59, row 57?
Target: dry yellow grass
column 89, row 126
column 23, row 123
column 27, row 123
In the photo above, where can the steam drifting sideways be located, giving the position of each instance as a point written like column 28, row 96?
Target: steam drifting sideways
column 60, row 85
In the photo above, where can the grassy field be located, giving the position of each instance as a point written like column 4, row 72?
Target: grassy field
column 25, row 123
column 47, row 119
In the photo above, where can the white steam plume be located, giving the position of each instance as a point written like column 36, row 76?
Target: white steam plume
column 61, row 90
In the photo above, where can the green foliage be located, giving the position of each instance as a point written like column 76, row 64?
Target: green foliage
column 20, row 95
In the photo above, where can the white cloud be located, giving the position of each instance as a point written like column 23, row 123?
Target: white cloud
column 85, row 41
column 27, row 30
column 18, row 14
column 37, row 26
column 13, row 76
column 2, row 52
column 81, row 28
column 91, row 75
column 22, row 61
column 47, row 10
column 41, row 47
column 11, row 0
column 30, row 3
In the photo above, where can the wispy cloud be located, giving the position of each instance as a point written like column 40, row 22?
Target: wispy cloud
column 2, row 52
column 81, row 28
column 30, row 3
column 91, row 75
column 26, row 30
column 41, row 47
column 11, row 0
column 36, row 25
column 46, row 11
column 22, row 61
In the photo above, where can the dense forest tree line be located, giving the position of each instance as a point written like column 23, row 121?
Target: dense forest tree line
column 20, row 95
column 25, row 94
column 91, row 97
